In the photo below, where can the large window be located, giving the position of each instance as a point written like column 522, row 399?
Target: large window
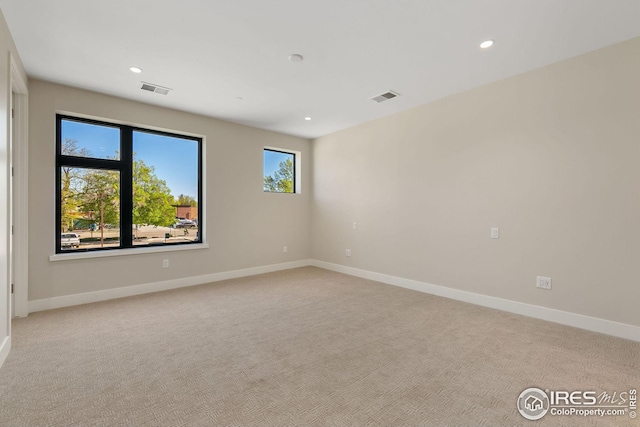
column 279, row 171
column 121, row 186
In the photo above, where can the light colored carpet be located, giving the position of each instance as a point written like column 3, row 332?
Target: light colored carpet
column 303, row 347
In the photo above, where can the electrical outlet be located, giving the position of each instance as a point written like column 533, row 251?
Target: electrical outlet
column 543, row 282
column 284, row 249
column 355, row 225
column 495, row 233
column 165, row 263
column 348, row 252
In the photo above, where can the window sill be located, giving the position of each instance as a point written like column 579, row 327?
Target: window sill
column 126, row 252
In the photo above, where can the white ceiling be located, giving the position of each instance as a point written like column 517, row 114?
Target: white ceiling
column 210, row 52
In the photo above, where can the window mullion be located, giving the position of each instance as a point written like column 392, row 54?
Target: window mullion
column 126, row 187
column 89, row 163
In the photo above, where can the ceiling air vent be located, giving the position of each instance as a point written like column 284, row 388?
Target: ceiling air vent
column 155, row 88
column 385, row 96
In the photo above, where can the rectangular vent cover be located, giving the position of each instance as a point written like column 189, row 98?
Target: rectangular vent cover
column 155, row 88
column 385, row 96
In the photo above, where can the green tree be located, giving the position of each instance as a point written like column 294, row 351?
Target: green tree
column 71, row 184
column 97, row 193
column 100, row 196
column 184, row 200
column 282, row 179
column 152, row 199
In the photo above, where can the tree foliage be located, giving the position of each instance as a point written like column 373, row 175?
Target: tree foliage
column 71, row 184
column 184, row 200
column 152, row 199
column 282, row 179
column 95, row 194
column 100, row 197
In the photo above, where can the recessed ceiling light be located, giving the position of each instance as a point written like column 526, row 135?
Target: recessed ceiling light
column 135, row 70
column 485, row 44
column 307, row 118
column 296, row 57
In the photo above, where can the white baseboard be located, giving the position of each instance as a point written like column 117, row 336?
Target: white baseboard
column 127, row 291
column 4, row 349
column 621, row 330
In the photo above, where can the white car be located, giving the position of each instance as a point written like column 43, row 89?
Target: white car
column 185, row 223
column 69, row 240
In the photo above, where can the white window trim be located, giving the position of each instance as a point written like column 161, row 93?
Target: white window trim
column 128, row 251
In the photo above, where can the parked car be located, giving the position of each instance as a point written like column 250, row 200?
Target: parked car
column 70, row 240
column 185, row 223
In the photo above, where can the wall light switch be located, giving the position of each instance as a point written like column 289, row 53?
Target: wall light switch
column 284, row 249
column 495, row 233
column 355, row 225
column 348, row 252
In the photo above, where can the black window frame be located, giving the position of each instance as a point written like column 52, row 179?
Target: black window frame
column 125, row 167
column 281, row 151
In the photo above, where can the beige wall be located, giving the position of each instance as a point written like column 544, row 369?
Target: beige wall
column 245, row 226
column 551, row 157
column 7, row 51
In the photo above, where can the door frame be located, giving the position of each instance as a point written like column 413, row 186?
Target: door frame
column 19, row 150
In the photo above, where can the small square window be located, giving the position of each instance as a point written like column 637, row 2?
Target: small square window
column 279, row 171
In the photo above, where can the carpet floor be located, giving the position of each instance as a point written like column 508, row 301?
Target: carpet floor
column 302, row 347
